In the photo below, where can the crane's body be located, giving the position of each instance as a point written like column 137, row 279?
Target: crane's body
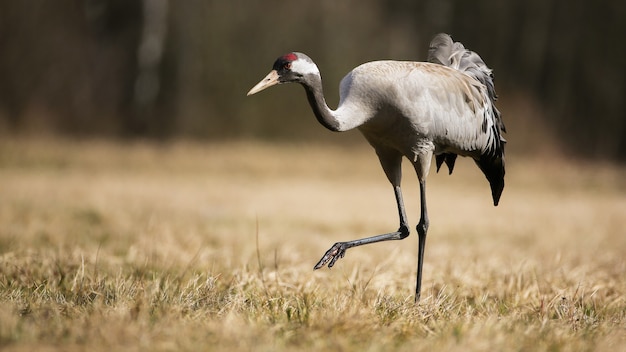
column 414, row 110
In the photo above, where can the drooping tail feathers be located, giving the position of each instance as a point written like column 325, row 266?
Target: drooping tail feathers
column 444, row 51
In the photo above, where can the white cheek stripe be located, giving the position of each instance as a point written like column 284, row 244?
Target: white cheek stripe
column 304, row 67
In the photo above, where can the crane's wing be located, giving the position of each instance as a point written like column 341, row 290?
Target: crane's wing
column 444, row 51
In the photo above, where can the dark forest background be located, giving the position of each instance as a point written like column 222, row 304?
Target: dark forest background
column 180, row 69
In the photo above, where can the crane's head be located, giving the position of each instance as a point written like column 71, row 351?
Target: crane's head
column 292, row 67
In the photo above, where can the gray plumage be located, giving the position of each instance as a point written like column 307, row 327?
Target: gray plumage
column 445, row 107
column 444, row 51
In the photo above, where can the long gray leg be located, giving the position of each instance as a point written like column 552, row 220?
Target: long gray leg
column 422, row 229
column 422, row 166
column 338, row 250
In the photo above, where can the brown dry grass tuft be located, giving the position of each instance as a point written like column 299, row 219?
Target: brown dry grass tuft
column 187, row 246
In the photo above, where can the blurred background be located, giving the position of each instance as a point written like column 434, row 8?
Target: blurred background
column 164, row 69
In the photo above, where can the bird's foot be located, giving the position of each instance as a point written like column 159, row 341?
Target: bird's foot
column 337, row 251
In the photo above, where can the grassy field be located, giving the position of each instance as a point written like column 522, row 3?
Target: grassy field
column 183, row 246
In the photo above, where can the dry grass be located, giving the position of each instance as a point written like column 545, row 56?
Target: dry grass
column 210, row 247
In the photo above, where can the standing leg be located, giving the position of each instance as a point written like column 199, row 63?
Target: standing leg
column 422, row 166
column 422, row 229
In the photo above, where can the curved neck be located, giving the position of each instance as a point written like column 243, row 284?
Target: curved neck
column 315, row 94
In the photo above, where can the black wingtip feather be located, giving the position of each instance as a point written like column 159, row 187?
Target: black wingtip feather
column 448, row 158
column 493, row 169
column 439, row 160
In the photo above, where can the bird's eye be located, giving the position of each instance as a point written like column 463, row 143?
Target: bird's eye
column 287, row 66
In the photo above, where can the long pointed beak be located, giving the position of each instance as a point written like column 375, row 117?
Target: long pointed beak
column 269, row 80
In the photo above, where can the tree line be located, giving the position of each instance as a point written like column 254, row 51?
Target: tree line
column 161, row 68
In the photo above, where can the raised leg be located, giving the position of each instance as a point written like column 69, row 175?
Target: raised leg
column 338, row 250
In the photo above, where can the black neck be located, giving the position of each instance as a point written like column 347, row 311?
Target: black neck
column 315, row 95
